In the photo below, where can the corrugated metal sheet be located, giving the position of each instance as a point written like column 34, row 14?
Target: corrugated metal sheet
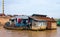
column 22, row 17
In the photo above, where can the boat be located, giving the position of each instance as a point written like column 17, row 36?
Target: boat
column 18, row 22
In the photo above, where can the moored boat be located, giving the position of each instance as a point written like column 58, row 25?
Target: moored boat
column 18, row 22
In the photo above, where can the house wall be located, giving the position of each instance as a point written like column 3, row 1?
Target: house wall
column 38, row 25
column 53, row 25
column 48, row 25
column 49, row 22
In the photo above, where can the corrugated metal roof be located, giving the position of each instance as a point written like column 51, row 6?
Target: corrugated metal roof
column 43, row 18
column 39, row 15
column 22, row 17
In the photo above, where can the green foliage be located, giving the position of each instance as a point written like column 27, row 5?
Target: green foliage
column 58, row 21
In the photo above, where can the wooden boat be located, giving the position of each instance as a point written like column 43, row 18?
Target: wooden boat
column 19, row 22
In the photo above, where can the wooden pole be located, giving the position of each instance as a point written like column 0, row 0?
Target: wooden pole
column 2, row 6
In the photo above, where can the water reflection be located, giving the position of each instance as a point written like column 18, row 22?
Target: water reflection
column 25, row 33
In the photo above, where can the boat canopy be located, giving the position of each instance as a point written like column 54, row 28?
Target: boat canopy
column 21, row 17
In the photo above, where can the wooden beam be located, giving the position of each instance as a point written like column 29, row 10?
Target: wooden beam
column 2, row 6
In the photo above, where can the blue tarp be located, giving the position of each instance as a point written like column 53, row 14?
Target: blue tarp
column 20, row 24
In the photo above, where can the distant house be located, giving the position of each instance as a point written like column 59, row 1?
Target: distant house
column 51, row 23
column 10, row 15
column 15, row 15
column 2, row 14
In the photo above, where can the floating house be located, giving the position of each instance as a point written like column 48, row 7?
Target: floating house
column 37, row 24
column 44, row 22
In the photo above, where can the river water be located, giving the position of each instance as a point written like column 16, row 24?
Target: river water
column 27, row 33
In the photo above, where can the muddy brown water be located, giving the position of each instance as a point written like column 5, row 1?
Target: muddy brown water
column 26, row 33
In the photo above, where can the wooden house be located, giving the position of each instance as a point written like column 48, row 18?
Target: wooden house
column 51, row 23
column 37, row 24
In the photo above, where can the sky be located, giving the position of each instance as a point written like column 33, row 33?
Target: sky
column 50, row 8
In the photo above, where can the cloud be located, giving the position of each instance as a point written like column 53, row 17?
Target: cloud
column 28, row 7
column 0, row 6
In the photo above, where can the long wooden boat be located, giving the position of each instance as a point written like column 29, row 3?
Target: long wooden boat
column 19, row 22
column 16, row 28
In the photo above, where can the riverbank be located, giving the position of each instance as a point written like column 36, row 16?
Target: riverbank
column 4, row 19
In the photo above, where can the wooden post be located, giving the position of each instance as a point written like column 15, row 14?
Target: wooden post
column 3, row 7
